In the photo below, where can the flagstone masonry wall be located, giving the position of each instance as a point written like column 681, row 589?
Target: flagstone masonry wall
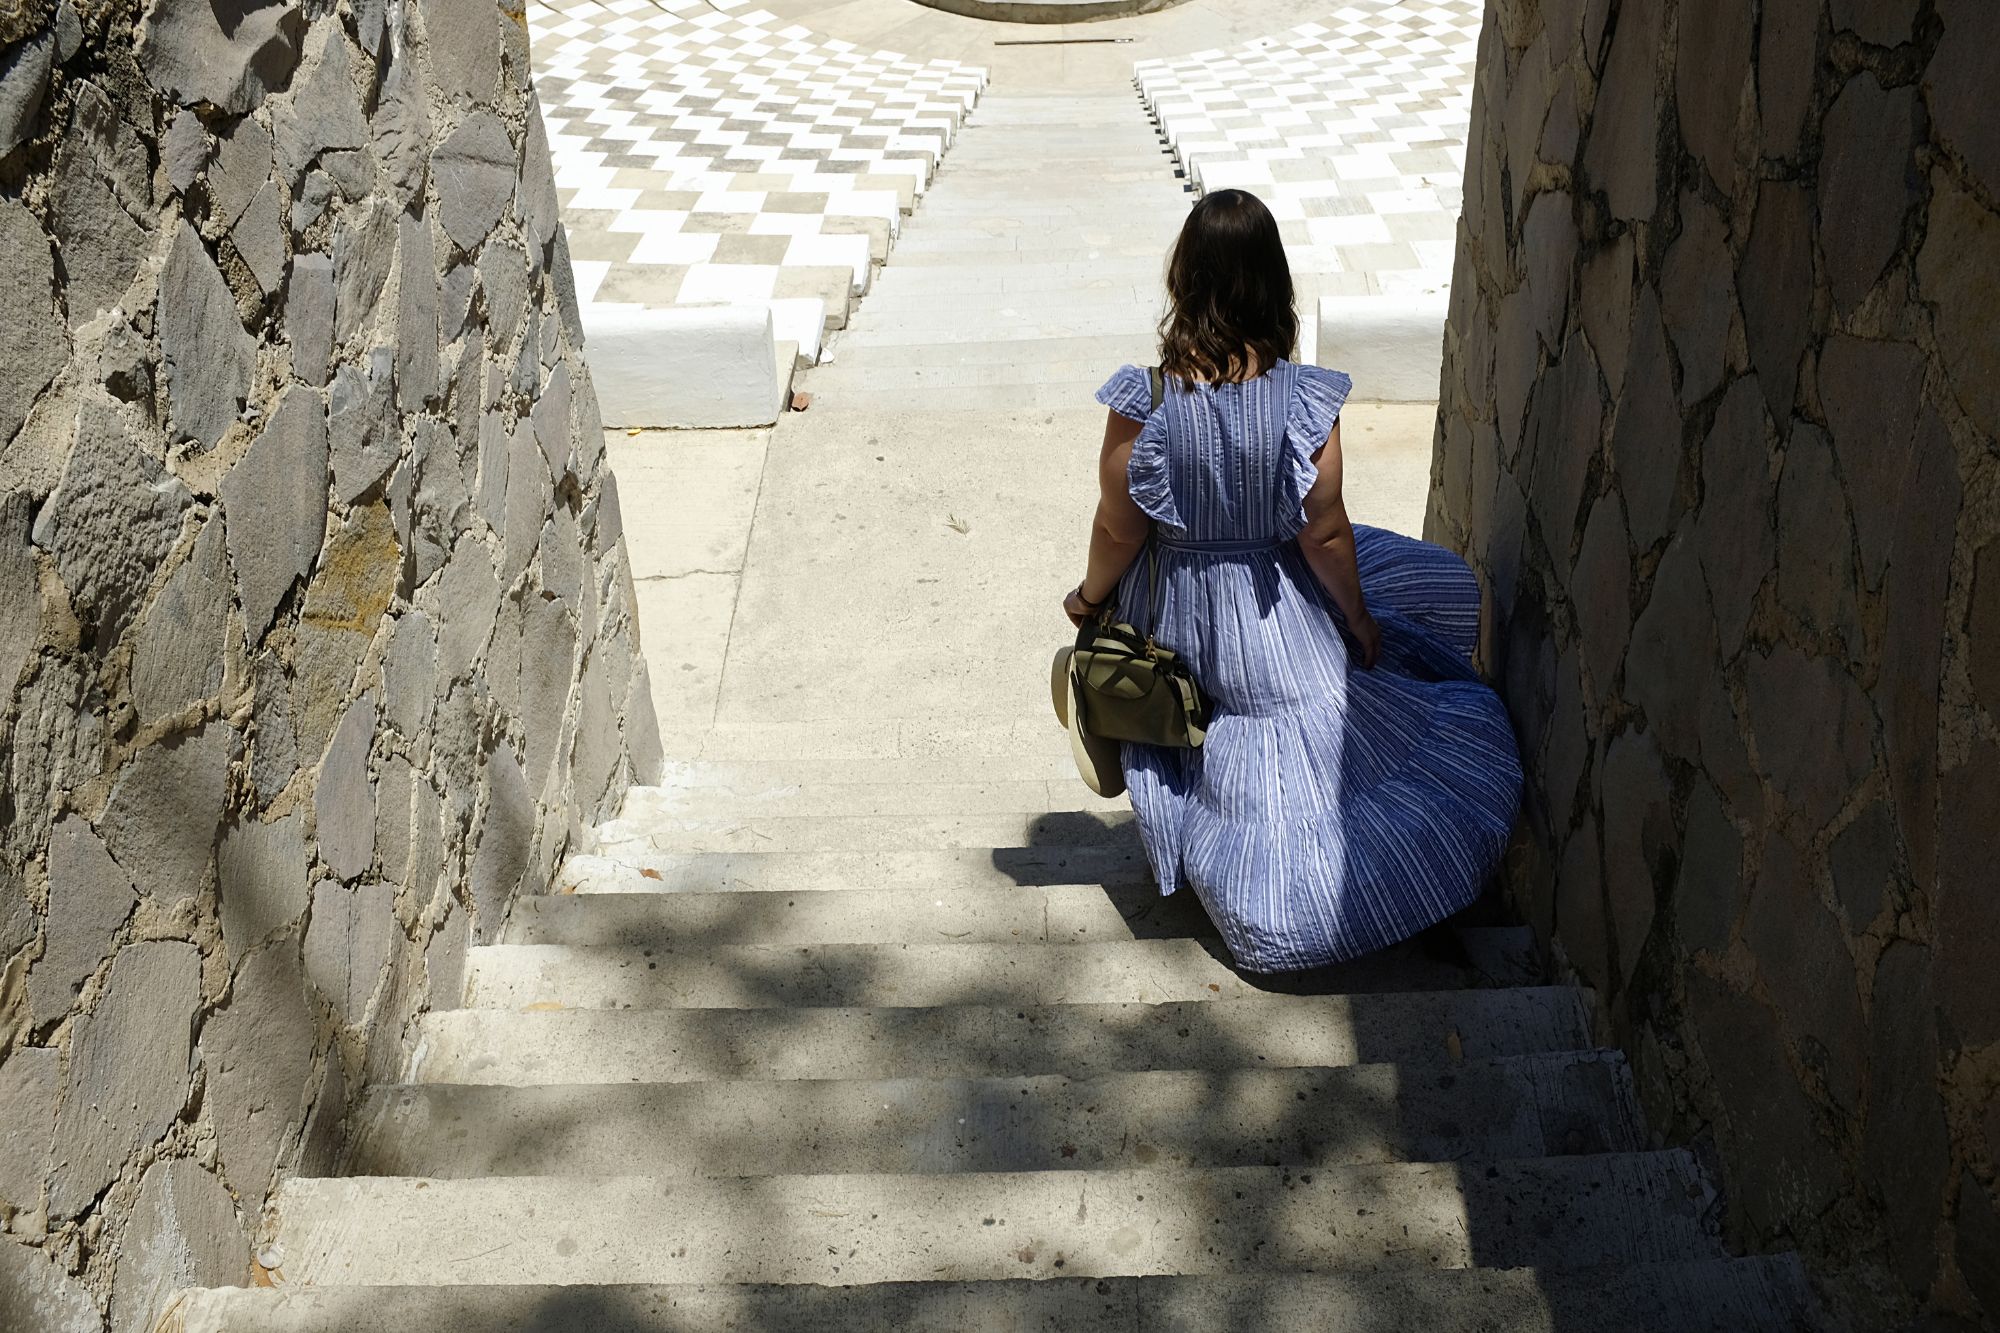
column 1718, row 432
column 316, row 629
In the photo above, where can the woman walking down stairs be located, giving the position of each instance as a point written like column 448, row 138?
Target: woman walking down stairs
column 852, row 1028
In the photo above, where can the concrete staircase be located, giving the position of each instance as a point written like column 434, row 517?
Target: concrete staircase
column 864, row 1087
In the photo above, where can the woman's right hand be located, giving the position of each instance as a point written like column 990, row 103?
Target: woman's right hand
column 1367, row 640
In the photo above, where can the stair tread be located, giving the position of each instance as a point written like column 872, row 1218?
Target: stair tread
column 1255, row 1031
column 972, row 972
column 1761, row 1294
column 1541, row 1105
column 1568, row 1212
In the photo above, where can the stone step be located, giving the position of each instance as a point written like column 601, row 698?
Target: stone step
column 628, row 839
column 1054, row 914
column 686, row 800
column 542, row 976
column 1764, row 1294
column 814, row 770
column 1559, row 1212
column 795, row 872
column 1416, row 1028
column 1542, row 1105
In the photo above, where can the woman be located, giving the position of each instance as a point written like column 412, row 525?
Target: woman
column 1358, row 782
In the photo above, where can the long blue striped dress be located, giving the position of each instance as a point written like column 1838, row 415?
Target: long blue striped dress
column 1331, row 810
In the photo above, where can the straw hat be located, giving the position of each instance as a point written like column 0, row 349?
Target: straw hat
column 1097, row 759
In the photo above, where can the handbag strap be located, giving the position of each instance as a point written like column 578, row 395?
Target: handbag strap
column 1156, row 380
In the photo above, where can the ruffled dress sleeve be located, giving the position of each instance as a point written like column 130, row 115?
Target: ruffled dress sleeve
column 1129, row 393
column 1317, row 396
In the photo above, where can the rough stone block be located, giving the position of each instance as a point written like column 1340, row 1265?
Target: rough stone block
column 1601, row 593
column 463, row 39
column 1646, row 434
column 1608, row 287
column 179, row 643
column 309, row 317
column 275, row 502
column 1870, row 390
column 1966, row 911
column 34, row 344
column 540, row 217
column 344, row 797
column 1638, row 828
column 100, row 241
column 1914, row 591
column 164, row 809
column 259, row 237
column 350, row 945
column 1787, row 61
column 1711, row 78
column 416, row 317
column 35, row 1294
column 1868, row 179
column 476, row 169
column 1815, row 735
column 364, row 245
column 1863, row 860
column 362, row 430
column 1776, row 1164
column 1549, row 245
column 1567, row 427
column 409, row 674
column 183, row 1233
column 1708, row 895
column 1806, row 966
column 260, row 871
column 323, row 112
column 1776, row 282
column 24, row 82
column 114, row 516
column 228, row 55
column 1673, row 649
column 243, row 159
column 89, row 899
column 468, row 596
column 1736, row 537
column 506, row 831
column 127, row 1075
column 1816, row 562
column 57, row 745
column 1878, row 22
column 184, row 149
column 402, row 131
column 209, row 357
column 258, row 1050
column 20, row 590
column 1958, row 86
column 30, row 1079
column 1622, row 156
column 1580, row 917
column 1959, row 269
column 1698, row 298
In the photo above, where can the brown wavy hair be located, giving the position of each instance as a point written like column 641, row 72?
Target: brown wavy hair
column 1231, row 311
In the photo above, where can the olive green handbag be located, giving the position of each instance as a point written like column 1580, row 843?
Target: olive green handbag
column 1127, row 686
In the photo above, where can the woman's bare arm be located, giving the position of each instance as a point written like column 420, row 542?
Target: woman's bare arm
column 1328, row 544
column 1121, row 527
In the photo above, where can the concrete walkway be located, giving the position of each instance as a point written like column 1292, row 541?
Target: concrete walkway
column 868, row 1017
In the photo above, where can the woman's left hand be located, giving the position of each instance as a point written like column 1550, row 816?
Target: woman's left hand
column 1077, row 609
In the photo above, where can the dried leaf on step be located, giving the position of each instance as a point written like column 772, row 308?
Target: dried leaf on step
column 651, row 873
column 543, row 1007
column 957, row 524
column 801, row 400
column 1454, row 1045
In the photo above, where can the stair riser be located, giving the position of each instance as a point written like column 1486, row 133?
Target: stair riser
column 965, row 800
column 1077, row 914
column 1526, row 1107
column 1422, row 1029
column 806, row 872
column 1565, row 1213
column 1761, row 1295
column 861, row 833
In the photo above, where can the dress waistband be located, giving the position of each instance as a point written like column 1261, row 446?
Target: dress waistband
column 1236, row 546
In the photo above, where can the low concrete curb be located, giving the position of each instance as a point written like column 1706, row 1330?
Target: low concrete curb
column 709, row 367
column 1048, row 11
column 1393, row 346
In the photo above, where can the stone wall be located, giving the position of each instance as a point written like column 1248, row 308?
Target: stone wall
column 1718, row 432
column 316, row 629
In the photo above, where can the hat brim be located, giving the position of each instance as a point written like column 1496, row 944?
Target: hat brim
column 1098, row 760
